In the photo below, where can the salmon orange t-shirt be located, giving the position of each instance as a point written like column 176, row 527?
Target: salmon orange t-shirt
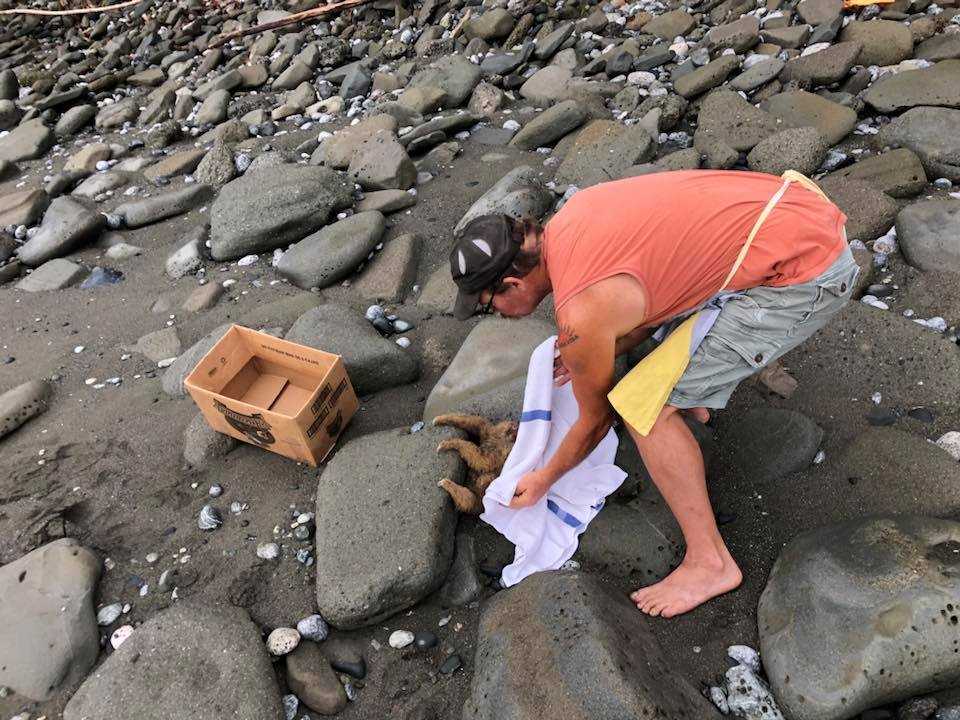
column 679, row 233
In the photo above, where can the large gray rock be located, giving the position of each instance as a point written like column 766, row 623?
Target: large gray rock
column 862, row 614
column 273, row 207
column 939, row 47
column 929, row 234
column 74, row 119
column 23, row 207
column 629, row 545
column 381, row 163
column 938, row 85
column 602, row 151
column 819, row 12
column 547, row 85
column 202, row 445
column 48, row 631
column 885, row 42
column 54, row 274
column 707, row 77
column 825, row 67
column 520, row 194
column 338, row 151
column 389, row 482
column 931, row 133
column 160, row 207
column 898, row 173
column 392, row 271
column 757, row 75
column 453, row 74
column 27, row 141
column 22, row 403
column 373, row 362
column 494, row 24
column 550, row 125
column 172, row 380
column 770, row 443
column 561, row 641
column 801, row 149
column 670, row 24
column 870, row 213
column 67, row 225
column 489, row 372
column 192, row 660
column 739, row 35
column 803, row 109
column 726, row 116
column 333, row 252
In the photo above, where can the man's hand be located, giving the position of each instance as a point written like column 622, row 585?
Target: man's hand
column 531, row 487
column 561, row 375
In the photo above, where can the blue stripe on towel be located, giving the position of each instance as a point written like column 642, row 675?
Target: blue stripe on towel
column 563, row 514
column 529, row 415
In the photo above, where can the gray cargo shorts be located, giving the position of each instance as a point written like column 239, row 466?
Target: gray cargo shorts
column 754, row 329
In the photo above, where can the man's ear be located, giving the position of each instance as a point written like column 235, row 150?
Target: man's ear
column 513, row 281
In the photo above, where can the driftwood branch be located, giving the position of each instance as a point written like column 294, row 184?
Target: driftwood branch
column 289, row 20
column 76, row 11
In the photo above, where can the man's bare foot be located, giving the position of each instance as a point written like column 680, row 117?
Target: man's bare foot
column 690, row 585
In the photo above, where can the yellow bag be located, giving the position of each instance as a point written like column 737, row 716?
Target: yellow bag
column 642, row 393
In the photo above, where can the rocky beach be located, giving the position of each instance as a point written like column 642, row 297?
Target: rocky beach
column 172, row 167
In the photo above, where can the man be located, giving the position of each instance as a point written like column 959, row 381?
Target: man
column 623, row 257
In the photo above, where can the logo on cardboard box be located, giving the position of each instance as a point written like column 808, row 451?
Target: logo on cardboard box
column 254, row 427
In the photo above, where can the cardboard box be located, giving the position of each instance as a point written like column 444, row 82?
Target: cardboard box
column 284, row 397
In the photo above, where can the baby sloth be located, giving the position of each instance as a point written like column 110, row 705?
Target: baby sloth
column 484, row 457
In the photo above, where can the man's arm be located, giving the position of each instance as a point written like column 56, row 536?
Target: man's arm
column 588, row 353
column 633, row 338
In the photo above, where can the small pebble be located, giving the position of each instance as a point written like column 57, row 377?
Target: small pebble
column 209, row 518
column 290, row 706
column 120, row 635
column 313, row 627
column 268, row 551
column 215, row 490
column 282, row 641
column 451, row 664
column 108, row 614
column 425, row 640
column 399, row 639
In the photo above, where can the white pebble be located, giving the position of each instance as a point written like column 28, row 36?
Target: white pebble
column 108, row 614
column 950, row 441
column 282, row 641
column 268, row 551
column 400, row 639
column 120, row 634
column 247, row 260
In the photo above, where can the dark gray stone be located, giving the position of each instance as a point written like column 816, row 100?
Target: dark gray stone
column 769, row 443
column 824, row 67
column 167, row 668
column 803, row 109
column 727, row 117
column 28, row 141
column 899, row 173
column 938, row 85
column 870, row 213
column 563, row 640
column 48, row 630
column 550, row 125
column 520, row 194
column 389, row 479
column 373, row 362
column 862, row 614
column 453, row 74
column 273, row 207
column 333, row 252
column 929, row 234
column 931, row 133
column 885, row 42
column 172, row 380
column 160, row 207
column 602, row 150
column 67, row 225
column 801, row 149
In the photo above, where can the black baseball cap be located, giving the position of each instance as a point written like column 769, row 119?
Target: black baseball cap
column 480, row 257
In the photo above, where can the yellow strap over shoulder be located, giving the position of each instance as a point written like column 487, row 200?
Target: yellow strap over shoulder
column 642, row 393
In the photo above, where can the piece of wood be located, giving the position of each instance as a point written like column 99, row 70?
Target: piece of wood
column 289, row 20
column 75, row 11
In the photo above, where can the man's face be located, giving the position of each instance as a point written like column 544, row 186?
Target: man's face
column 512, row 301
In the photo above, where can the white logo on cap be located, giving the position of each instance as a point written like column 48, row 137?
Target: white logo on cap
column 484, row 246
column 462, row 262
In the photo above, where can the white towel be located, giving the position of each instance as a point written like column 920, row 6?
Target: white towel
column 546, row 534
